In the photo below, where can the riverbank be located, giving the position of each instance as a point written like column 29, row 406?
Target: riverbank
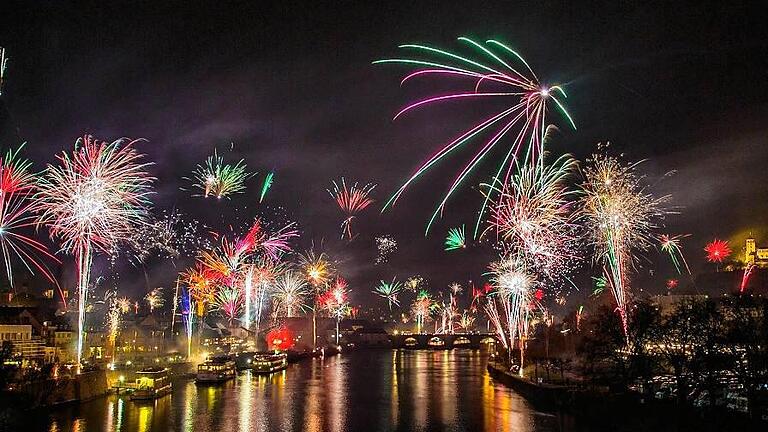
column 54, row 391
column 594, row 410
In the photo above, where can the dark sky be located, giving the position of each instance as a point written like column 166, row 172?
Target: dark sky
column 292, row 86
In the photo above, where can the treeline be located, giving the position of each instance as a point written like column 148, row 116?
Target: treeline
column 708, row 348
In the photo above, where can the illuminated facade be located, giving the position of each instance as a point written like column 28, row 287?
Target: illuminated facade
column 754, row 255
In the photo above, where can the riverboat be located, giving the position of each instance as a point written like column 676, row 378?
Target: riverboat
column 267, row 363
column 151, row 383
column 216, row 370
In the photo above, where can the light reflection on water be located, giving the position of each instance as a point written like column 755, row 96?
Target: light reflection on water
column 365, row 390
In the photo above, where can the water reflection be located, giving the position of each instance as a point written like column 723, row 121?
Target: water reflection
column 365, row 390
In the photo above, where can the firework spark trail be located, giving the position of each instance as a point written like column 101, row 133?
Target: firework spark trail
column 421, row 308
column 260, row 277
column 389, row 291
column 621, row 218
column 671, row 245
column 335, row 301
column 526, row 112
column 745, row 277
column 187, row 315
column 201, row 286
column 275, row 244
column 289, row 292
column 456, row 239
column 219, row 179
column 448, row 311
column 3, row 67
column 231, row 266
column 510, row 303
column 351, row 200
column 268, row 180
column 93, row 200
column 466, row 321
column 113, row 320
column 17, row 186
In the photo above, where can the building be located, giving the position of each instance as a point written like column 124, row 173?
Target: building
column 754, row 255
column 26, row 347
column 34, row 339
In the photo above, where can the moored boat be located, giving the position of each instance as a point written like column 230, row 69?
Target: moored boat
column 151, row 383
column 214, row 370
column 266, row 363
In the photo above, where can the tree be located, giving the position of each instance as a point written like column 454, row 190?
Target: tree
column 605, row 351
column 680, row 340
column 747, row 348
column 6, row 371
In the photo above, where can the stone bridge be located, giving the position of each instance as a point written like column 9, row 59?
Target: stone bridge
column 441, row 341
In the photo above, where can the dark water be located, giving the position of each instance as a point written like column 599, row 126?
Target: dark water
column 357, row 391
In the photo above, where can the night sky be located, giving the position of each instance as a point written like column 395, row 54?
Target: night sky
column 293, row 87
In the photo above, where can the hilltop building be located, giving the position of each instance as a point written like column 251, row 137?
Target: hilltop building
column 755, row 256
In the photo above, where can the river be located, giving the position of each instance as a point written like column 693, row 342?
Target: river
column 379, row 390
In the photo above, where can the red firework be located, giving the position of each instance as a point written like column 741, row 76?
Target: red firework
column 717, row 251
column 351, row 200
column 280, row 339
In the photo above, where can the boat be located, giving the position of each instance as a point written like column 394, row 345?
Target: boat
column 215, row 370
column 151, row 383
column 266, row 363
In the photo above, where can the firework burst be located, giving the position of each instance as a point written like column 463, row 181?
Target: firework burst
column 171, row 236
column 389, row 291
column 496, row 76
column 456, row 239
column 218, row 179
column 717, row 251
column 351, row 201
column 290, row 291
column 671, row 245
column 533, row 218
column 93, row 200
column 228, row 301
column 154, row 299
column 385, row 245
column 17, row 185
column 620, row 217
column 414, row 283
column 317, row 269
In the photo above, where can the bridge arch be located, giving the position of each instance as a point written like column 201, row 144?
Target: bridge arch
column 461, row 342
column 436, row 341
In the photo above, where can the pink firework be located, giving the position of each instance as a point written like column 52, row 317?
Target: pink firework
column 17, row 186
column 351, row 200
column 500, row 75
column 93, row 200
